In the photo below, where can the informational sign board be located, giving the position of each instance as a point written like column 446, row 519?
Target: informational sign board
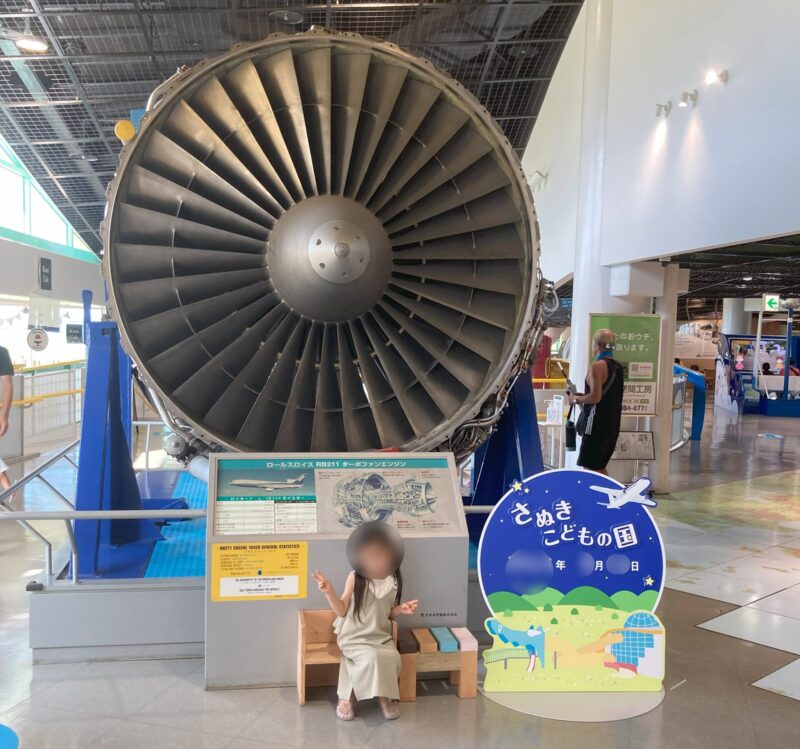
column 637, row 349
column 571, row 564
column 274, row 518
column 262, row 571
column 38, row 339
column 282, row 495
column 45, row 274
column 634, row 446
column 698, row 339
column 771, row 303
column 74, row 332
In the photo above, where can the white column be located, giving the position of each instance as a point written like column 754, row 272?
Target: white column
column 734, row 318
column 591, row 279
column 667, row 308
column 588, row 284
column 590, row 292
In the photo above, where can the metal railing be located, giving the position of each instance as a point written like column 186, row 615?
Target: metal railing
column 36, row 474
column 148, row 424
column 67, row 516
column 49, row 396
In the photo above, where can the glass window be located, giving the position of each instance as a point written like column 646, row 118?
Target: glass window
column 12, row 206
column 79, row 243
column 45, row 221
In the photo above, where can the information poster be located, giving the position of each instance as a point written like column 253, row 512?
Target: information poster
column 259, row 572
column 637, row 349
column 571, row 564
column 332, row 495
column 258, row 496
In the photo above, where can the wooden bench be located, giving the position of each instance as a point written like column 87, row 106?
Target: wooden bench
column 421, row 651
column 318, row 655
column 438, row 649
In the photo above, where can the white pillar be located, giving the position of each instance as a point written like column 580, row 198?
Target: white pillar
column 667, row 308
column 734, row 318
column 590, row 292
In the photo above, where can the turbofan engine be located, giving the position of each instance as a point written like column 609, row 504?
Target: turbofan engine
column 322, row 242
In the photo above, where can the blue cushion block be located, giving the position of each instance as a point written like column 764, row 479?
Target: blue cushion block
column 447, row 643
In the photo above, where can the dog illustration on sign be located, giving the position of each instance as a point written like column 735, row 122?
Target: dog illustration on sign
column 531, row 639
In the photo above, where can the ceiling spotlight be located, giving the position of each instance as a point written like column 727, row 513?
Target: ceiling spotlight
column 29, row 42
column 687, row 98
column 663, row 109
column 716, row 76
column 747, row 278
column 289, row 17
column 78, row 156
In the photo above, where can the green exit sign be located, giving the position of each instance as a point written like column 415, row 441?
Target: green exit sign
column 772, row 303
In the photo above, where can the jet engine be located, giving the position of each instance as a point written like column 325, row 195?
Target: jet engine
column 321, row 242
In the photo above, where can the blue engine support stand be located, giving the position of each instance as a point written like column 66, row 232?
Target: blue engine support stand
column 513, row 452
column 106, row 479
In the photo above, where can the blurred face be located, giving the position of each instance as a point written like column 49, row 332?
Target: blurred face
column 375, row 560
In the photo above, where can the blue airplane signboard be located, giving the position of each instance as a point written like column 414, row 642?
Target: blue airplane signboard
column 571, row 564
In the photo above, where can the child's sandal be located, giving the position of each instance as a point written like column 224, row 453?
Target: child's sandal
column 389, row 708
column 344, row 710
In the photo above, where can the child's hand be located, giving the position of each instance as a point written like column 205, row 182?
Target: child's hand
column 408, row 607
column 322, row 582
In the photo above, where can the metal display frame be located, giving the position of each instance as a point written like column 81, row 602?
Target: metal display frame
column 253, row 643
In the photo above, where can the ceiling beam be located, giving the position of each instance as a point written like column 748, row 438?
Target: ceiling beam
column 76, row 10
column 107, row 57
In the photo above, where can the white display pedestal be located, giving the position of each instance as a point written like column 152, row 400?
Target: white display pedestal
column 580, row 707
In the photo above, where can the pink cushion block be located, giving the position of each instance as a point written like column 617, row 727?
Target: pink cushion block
column 466, row 641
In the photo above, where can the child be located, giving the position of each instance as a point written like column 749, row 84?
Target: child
column 371, row 599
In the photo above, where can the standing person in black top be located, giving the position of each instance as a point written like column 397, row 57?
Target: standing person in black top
column 602, row 404
column 6, row 396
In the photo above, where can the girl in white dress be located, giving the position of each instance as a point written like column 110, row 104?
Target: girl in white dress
column 370, row 601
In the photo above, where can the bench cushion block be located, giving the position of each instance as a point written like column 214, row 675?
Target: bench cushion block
column 466, row 639
column 426, row 641
column 447, row 643
column 406, row 642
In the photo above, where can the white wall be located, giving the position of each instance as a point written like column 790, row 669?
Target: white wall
column 727, row 171
column 554, row 150
column 723, row 172
column 19, row 269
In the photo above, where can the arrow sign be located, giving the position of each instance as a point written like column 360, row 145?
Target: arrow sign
column 771, row 302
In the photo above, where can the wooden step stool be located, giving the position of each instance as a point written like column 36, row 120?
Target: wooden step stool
column 438, row 649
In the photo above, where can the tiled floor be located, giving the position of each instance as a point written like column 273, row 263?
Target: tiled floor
column 732, row 612
column 785, row 681
column 155, row 704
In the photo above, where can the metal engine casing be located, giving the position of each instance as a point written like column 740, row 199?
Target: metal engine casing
column 322, row 242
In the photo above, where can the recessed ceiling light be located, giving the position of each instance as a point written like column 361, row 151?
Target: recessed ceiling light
column 83, row 157
column 289, row 17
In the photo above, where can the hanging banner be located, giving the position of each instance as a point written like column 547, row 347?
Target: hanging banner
column 638, row 348
column 571, row 565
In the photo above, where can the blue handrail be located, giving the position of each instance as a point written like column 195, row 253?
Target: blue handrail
column 698, row 380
